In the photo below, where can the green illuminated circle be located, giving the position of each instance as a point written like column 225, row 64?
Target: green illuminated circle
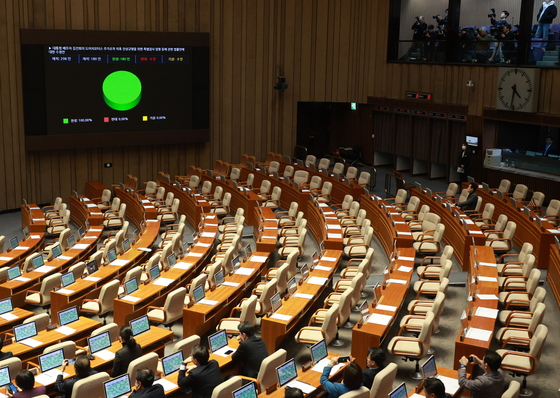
column 122, row 90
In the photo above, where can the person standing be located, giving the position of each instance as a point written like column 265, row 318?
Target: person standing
column 488, row 385
column 464, row 167
column 546, row 14
column 419, row 27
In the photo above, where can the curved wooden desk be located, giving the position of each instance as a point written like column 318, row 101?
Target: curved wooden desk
column 187, row 206
column 135, row 211
column 266, row 230
column 553, row 275
column 33, row 218
column 86, row 210
column 20, row 253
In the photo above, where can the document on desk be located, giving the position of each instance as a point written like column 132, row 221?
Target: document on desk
column 484, row 264
column 31, row 342
column 304, row 296
column 487, row 312
column 208, row 234
column 324, row 258
column 119, row 263
column 96, row 229
column 182, row 265
column 316, row 280
column 487, row 279
column 281, row 317
column 49, row 377
column 487, row 296
column 166, row 384
column 324, row 362
column 132, row 299
column 64, row 258
column 144, row 249
column 208, row 302
column 80, row 246
column 163, row 281
column 268, row 237
column 334, row 236
column 44, row 269
column 92, row 278
column 322, row 268
column 258, row 259
column 402, row 268
column 553, row 231
column 390, row 308
column 405, row 233
column 65, row 291
column 380, row 319
column 404, row 258
column 22, row 248
column 5, row 258
column 65, row 330
column 225, row 351
column 469, row 221
column 38, row 219
column 232, row 284
column 90, row 237
column 399, row 281
column 106, row 355
column 335, row 226
column 22, row 279
column 194, row 254
column 451, row 384
column 35, row 236
column 306, row 388
column 400, row 222
column 478, row 334
column 9, row 316
column 245, row 271
column 203, row 244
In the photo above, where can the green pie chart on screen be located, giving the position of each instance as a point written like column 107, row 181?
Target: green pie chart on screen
column 122, row 90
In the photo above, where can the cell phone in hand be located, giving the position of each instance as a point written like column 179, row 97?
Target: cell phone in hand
column 471, row 359
column 12, row 389
column 72, row 361
column 343, row 359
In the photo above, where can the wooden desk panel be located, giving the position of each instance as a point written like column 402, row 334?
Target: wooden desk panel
column 471, row 346
column 553, row 275
column 266, row 232
column 394, row 294
column 33, row 218
column 201, row 318
column 136, row 211
column 17, row 256
column 20, row 313
column 86, row 210
column 94, row 189
column 187, row 205
column 526, row 231
column 455, row 234
column 274, row 331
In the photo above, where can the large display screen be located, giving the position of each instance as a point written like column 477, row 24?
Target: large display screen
column 140, row 85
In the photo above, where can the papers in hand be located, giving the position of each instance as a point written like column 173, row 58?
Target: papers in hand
column 324, row 362
column 478, row 334
column 380, row 319
column 106, row 355
column 65, row 330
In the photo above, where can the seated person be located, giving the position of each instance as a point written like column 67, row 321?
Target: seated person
column 145, row 387
column 83, row 370
column 434, row 388
column 374, row 363
column 293, row 393
column 472, row 199
column 352, row 379
column 203, row 376
column 24, row 383
column 251, row 351
column 488, row 385
column 131, row 350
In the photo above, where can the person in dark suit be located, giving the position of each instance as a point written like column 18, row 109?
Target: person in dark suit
column 131, row 350
column 25, row 382
column 203, row 376
column 83, row 370
column 549, row 148
column 434, row 388
column 491, row 383
column 472, row 199
column 464, row 163
column 145, row 387
column 251, row 352
column 375, row 364
column 546, row 14
column 292, row 392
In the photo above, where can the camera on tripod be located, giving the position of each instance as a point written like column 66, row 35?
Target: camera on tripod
column 493, row 15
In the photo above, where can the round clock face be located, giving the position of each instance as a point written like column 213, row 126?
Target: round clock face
column 515, row 89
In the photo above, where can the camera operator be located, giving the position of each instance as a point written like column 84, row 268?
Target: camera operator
column 546, row 14
column 483, row 41
column 497, row 27
column 430, row 46
column 419, row 27
column 441, row 21
column 467, row 43
column 508, row 47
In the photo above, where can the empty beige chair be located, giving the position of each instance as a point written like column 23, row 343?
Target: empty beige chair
column 105, row 303
column 281, row 276
column 13, row 364
column 399, row 201
column 151, row 188
column 42, row 298
column 288, row 171
column 231, row 223
column 2, row 240
column 273, row 201
column 344, row 302
column 263, row 301
column 28, row 263
column 112, row 328
column 359, row 250
column 158, row 197
column 497, row 229
column 552, row 212
column 362, row 392
column 56, row 205
column 310, row 160
column 352, row 216
column 194, row 182
column 222, row 209
column 301, row 177
column 292, row 228
column 264, row 190
column 432, row 284
column 58, row 224
column 515, row 275
column 513, row 390
column 267, row 372
column 484, row 220
column 291, row 261
column 235, row 174
column 246, row 311
column 432, row 268
column 91, row 386
column 104, row 202
column 226, row 389
column 520, row 337
column 328, row 329
column 324, row 164
column 216, row 198
column 68, row 349
column 355, row 234
column 504, row 243
column 416, row 223
column 357, row 284
column 352, row 173
column 288, row 216
column 521, row 298
column 293, row 244
column 522, row 318
column 364, row 180
column 200, row 280
column 77, row 269
column 338, row 168
column 171, row 310
column 422, row 306
column 115, row 220
column 249, row 182
column 314, row 185
column 206, row 189
column 364, row 266
column 414, row 320
column 383, row 381
column 504, row 187
column 430, row 244
column 149, row 360
column 523, row 363
column 274, row 167
column 414, row 348
column 41, row 321
column 410, row 212
column 428, row 227
column 520, row 192
column 344, row 207
column 324, row 195
column 292, row 232
column 536, row 202
column 357, row 226
column 56, row 213
column 169, row 214
column 450, row 193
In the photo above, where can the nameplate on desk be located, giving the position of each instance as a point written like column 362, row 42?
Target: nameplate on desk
column 402, row 268
column 9, row 316
column 476, row 232
column 405, row 233
column 380, row 319
column 275, row 228
column 65, row 330
column 281, row 317
column 485, row 264
column 35, row 208
column 389, row 308
column 149, row 207
column 304, row 296
column 400, row 222
column 152, row 220
column 245, row 271
column 96, row 214
column 44, row 269
column 132, row 299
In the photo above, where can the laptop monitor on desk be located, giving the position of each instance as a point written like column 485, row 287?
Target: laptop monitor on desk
column 25, row 331
column 247, row 391
column 286, row 372
column 171, row 363
column 140, row 325
column 14, row 242
column 429, row 368
column 6, row 305
column 5, row 376
column 217, row 341
column 14, row 272
column 91, row 267
column 154, row 273
column 117, row 387
column 67, row 279
column 399, row 392
column 319, row 351
column 130, row 286
column 111, row 255
column 51, row 360
column 38, row 261
column 126, row 245
column 100, row 342
column 276, row 302
column 68, row 316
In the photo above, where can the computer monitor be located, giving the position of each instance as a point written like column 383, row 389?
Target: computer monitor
column 248, row 252
column 14, row 272
column 154, row 273
column 429, row 192
column 38, row 261
column 276, row 302
column 471, row 140
column 81, row 232
column 219, row 278
column 304, row 272
column 247, row 391
column 25, row 331
column 286, row 372
column 236, row 263
column 418, row 186
column 26, row 233
column 71, row 241
column 296, row 186
column 130, row 286
column 364, row 310
column 51, row 360
column 99, row 342
column 171, row 363
column 198, row 293
column 322, row 246
column 6, row 306
column 117, row 387
column 126, row 245
column 429, row 367
column 318, row 351
column 111, row 255
column 68, row 316
column 217, row 340
column 87, row 225
column 56, row 251
column 67, row 279
column 527, row 211
column 140, row 325
column 399, row 392
column 292, row 286
column 136, row 235
column 14, row 242
column 5, row 376
column 500, row 194
column 91, row 266
column 172, row 260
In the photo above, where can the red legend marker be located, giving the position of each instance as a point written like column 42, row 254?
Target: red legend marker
column 106, row 119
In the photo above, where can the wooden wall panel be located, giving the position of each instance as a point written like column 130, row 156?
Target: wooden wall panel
column 329, row 51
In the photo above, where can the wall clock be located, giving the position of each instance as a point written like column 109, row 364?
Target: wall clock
column 518, row 89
